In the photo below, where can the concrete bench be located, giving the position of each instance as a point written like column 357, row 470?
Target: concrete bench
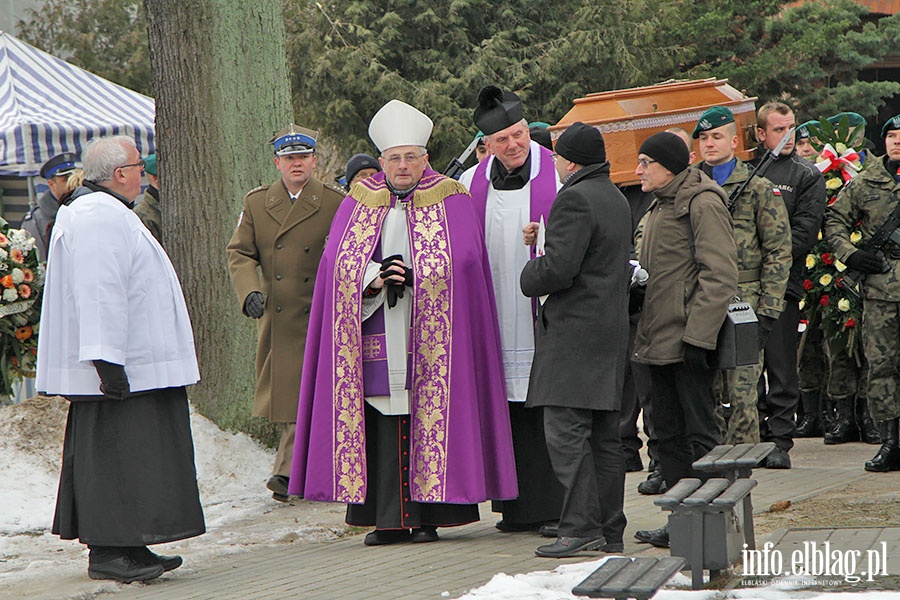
column 622, row 578
column 704, row 527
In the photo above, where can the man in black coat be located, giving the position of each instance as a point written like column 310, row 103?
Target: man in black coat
column 581, row 281
column 803, row 191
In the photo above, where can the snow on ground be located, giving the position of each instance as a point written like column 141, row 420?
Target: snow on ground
column 232, row 470
column 558, row 583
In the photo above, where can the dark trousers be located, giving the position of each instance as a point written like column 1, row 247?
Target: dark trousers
column 540, row 493
column 586, row 453
column 684, row 416
column 777, row 408
column 636, row 399
column 388, row 504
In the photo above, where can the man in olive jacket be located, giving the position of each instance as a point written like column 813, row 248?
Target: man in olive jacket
column 687, row 246
column 273, row 257
column 582, row 333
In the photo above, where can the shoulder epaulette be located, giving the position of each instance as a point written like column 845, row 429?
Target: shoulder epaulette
column 261, row 188
column 336, row 189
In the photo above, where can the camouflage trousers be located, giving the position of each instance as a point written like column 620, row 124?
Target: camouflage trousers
column 737, row 387
column 881, row 342
column 833, row 372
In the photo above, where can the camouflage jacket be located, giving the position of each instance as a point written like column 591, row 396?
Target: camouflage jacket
column 868, row 199
column 762, row 233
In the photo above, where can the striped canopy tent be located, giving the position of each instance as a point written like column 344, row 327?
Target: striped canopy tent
column 48, row 106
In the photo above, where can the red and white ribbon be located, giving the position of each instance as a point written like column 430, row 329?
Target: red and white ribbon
column 845, row 163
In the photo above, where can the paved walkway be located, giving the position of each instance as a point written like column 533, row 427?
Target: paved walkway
column 467, row 557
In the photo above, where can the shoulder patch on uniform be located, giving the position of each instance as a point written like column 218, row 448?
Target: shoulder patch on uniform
column 334, row 188
column 261, row 188
column 776, row 191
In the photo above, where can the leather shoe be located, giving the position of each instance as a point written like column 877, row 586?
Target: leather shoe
column 549, row 531
column 511, row 527
column 653, row 485
column 778, row 459
column 655, row 537
column 569, row 546
column 125, row 569
column 424, row 534
column 612, row 547
column 278, row 484
column 383, row 537
column 145, row 556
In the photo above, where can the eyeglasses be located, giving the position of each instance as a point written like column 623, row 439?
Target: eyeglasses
column 553, row 156
column 139, row 163
column 409, row 158
column 646, row 162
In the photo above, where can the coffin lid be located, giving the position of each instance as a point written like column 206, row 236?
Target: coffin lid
column 627, row 117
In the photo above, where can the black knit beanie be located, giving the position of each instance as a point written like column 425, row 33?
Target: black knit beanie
column 581, row 144
column 667, row 149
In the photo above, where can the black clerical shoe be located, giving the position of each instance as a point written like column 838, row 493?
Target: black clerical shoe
column 124, row 568
column 569, row 546
column 145, row 556
column 424, row 534
column 278, row 484
column 654, row 537
column 383, row 537
column 511, row 527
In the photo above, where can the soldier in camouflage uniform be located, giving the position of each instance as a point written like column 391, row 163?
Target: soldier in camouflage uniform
column 869, row 199
column 763, row 238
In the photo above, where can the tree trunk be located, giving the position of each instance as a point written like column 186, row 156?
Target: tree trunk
column 220, row 75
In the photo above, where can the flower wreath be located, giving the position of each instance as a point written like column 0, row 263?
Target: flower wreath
column 21, row 280
column 838, row 310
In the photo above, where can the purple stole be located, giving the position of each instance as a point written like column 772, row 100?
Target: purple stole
column 543, row 187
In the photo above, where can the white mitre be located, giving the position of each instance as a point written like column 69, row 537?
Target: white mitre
column 399, row 124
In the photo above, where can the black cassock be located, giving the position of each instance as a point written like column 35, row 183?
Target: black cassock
column 128, row 476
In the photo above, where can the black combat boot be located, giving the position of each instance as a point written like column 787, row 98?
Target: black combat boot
column 810, row 425
column 868, row 431
column 829, row 416
column 844, row 429
column 888, row 457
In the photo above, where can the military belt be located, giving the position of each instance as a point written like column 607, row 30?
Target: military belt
column 748, row 275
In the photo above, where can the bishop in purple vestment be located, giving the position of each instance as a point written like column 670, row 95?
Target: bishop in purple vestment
column 402, row 410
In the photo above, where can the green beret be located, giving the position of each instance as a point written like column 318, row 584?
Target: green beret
column 713, row 118
column 855, row 119
column 893, row 123
column 150, row 164
column 803, row 131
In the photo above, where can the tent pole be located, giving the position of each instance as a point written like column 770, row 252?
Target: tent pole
column 32, row 202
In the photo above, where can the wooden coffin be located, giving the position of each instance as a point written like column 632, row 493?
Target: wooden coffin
column 627, row 117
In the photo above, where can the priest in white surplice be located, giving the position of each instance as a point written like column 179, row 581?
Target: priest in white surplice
column 513, row 187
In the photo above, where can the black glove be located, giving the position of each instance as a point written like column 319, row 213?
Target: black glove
column 254, row 305
column 696, row 358
column 764, row 328
column 636, row 299
column 393, row 288
column 867, row 262
column 113, row 380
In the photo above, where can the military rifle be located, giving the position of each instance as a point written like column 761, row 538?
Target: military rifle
column 888, row 232
column 456, row 168
column 759, row 169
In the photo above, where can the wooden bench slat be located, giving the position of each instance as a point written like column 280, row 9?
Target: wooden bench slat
column 656, row 577
column 735, row 493
column 592, row 584
column 756, row 455
column 621, row 583
column 729, row 460
column 682, row 490
column 710, row 490
column 707, row 462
